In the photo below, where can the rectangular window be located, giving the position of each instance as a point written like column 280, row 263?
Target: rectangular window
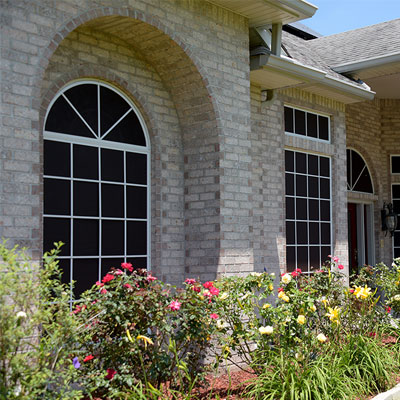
column 396, row 209
column 308, row 210
column 395, row 164
column 306, row 123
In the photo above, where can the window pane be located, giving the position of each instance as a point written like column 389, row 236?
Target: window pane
column 314, row 232
column 313, row 207
column 86, row 164
column 288, row 119
column 323, row 127
column 324, row 166
column 136, row 168
column 300, row 122
column 325, row 251
column 396, row 252
column 136, row 202
column 395, row 164
column 301, row 163
column 57, row 197
column 57, row 158
column 312, row 164
column 85, row 273
column 325, row 190
column 301, row 231
column 325, row 210
column 108, row 263
column 289, row 161
column 301, row 185
column 313, row 189
column 112, row 165
column 396, row 191
column 86, row 237
column 325, row 233
column 112, row 200
column 57, row 230
column 290, row 234
column 301, row 209
column 86, row 199
column 65, row 269
column 290, row 258
column 137, row 237
column 315, row 263
column 302, row 258
column 112, row 238
column 396, row 206
column 312, row 125
column 290, row 208
column 138, row 262
column 289, row 183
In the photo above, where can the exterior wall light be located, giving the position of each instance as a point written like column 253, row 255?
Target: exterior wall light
column 389, row 218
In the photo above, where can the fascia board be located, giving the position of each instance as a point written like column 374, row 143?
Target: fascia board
column 367, row 63
column 303, row 7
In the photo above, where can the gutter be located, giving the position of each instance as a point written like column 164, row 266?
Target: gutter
column 367, row 63
column 307, row 74
column 302, row 6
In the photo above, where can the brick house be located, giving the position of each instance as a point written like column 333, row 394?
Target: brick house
column 194, row 137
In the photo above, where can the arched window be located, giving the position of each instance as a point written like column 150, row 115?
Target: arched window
column 96, row 182
column 358, row 176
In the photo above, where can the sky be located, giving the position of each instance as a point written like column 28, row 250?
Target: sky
column 335, row 16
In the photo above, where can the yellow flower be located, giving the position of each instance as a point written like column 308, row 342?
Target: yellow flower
column 281, row 294
column 313, row 308
column 223, row 296
column 285, row 298
column 266, row 305
column 322, row 338
column 362, row 292
column 271, row 287
column 301, row 319
column 333, row 314
column 266, row 330
column 145, row 339
column 286, row 278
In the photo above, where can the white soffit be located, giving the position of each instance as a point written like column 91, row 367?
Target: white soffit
column 262, row 12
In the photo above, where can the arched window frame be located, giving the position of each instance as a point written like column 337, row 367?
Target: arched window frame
column 349, row 189
column 100, row 143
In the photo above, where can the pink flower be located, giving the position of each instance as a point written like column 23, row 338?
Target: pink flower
column 280, row 289
column 127, row 266
column 388, row 309
column 335, row 259
column 298, row 270
column 78, row 309
column 340, row 266
column 110, row 373
column 175, row 305
column 351, row 290
column 295, row 273
column 128, row 286
column 196, row 289
column 151, row 278
column 88, row 358
column 214, row 291
column 108, row 278
column 214, row 316
column 190, row 281
column 207, row 285
column 103, row 291
column 98, row 283
column 118, row 272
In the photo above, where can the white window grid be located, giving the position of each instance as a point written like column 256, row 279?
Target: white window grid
column 99, row 142
column 295, row 245
column 351, row 187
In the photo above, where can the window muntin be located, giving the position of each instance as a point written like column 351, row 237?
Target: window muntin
column 308, row 210
column 395, row 164
column 96, row 182
column 396, row 209
column 358, row 176
column 306, row 123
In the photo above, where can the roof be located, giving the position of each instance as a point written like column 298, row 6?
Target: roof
column 367, row 43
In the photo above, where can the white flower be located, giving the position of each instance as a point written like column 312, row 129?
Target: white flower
column 221, row 324
column 397, row 297
column 286, row 278
column 322, row 338
column 21, row 314
column 223, row 296
column 255, row 274
column 272, row 275
column 266, row 330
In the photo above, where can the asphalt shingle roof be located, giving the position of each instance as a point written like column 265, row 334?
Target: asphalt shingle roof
column 360, row 44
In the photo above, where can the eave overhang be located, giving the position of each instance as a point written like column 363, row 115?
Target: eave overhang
column 263, row 12
column 272, row 72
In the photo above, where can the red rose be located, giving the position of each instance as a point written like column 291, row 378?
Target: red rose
column 214, row 291
column 127, row 266
column 208, row 285
column 151, row 278
column 108, row 278
column 110, row 373
column 214, row 316
column 88, row 358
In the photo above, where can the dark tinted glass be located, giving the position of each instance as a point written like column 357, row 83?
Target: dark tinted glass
column 108, row 263
column 112, row 165
column 288, row 119
column 313, row 207
column 112, row 108
column 86, row 237
column 128, row 130
column 396, row 239
column 396, row 206
column 84, row 99
column 290, row 233
column 290, row 258
column 57, row 158
column 301, row 185
column 112, row 200
column 136, row 168
column 396, row 191
column 348, row 161
column 325, row 233
column 289, row 161
column 324, row 166
column 312, row 165
column 289, row 183
column 301, row 209
column 136, row 202
column 137, row 237
column 323, row 127
column 86, row 163
column 86, row 199
column 312, row 130
column 313, row 186
column 302, row 258
column 364, row 183
column 395, row 164
column 289, row 208
column 300, row 122
column 314, row 258
column 302, row 233
column 138, row 262
column 63, row 119
column 65, row 269
column 357, row 164
column 57, row 197
column 325, row 190
column 85, row 273
column 325, row 251
column 396, row 252
column 301, row 165
column 57, row 230
column 112, row 237
column 314, row 232
column 325, row 210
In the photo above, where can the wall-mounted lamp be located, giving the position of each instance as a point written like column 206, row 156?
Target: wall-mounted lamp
column 389, row 218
